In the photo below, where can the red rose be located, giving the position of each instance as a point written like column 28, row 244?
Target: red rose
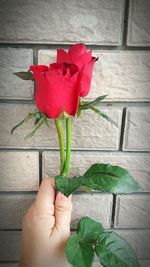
column 57, row 89
column 79, row 56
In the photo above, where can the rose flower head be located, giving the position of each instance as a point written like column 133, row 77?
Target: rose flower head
column 60, row 86
column 57, row 89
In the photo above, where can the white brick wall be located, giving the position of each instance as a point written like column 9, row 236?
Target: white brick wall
column 31, row 35
column 14, row 60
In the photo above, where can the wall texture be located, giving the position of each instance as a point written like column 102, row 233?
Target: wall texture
column 118, row 31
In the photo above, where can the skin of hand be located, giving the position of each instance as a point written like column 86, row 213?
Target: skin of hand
column 46, row 229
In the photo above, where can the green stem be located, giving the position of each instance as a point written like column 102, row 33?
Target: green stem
column 59, row 127
column 68, row 147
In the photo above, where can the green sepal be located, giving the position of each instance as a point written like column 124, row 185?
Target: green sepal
column 25, row 75
column 40, row 122
column 102, row 114
column 87, row 104
column 26, row 119
column 40, row 119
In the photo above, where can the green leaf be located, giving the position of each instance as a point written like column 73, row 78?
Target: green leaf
column 108, row 178
column 66, row 185
column 38, row 125
column 111, row 249
column 89, row 230
column 114, row 251
column 79, row 254
column 25, row 75
column 102, row 177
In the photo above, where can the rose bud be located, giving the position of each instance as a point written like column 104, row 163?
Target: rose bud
column 79, row 56
column 57, row 89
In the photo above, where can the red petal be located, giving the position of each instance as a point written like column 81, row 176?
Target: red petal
column 86, row 77
column 55, row 66
column 63, row 56
column 42, row 68
column 77, row 50
column 84, row 59
column 73, row 69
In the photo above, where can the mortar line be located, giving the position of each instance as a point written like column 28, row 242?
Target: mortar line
column 125, row 29
column 122, row 129
column 105, row 104
column 51, row 46
column 113, row 210
column 46, row 149
column 40, row 166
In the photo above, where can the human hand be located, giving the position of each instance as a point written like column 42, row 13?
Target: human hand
column 46, row 229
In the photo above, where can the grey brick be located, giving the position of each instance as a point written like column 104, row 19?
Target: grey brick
column 87, row 130
column 137, row 134
column 137, row 163
column 97, row 22
column 145, row 263
column 132, row 211
column 96, row 206
column 12, row 210
column 122, row 75
column 15, row 60
column 8, row 264
column 9, row 246
column 139, row 23
column 23, row 176
column 139, row 240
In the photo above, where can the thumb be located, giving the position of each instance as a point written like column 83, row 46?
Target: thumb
column 63, row 208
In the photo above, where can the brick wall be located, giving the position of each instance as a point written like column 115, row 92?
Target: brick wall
column 119, row 33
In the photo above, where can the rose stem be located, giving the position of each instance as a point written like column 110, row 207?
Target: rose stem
column 68, row 147
column 58, row 123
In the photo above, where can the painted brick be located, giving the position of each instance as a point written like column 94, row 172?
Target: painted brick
column 12, row 210
column 108, row 138
column 8, row 264
column 139, row 23
column 19, row 177
column 9, row 246
column 97, row 22
column 96, row 206
column 132, row 211
column 145, row 263
column 139, row 240
column 137, row 134
column 137, row 163
column 122, row 75
column 15, row 60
